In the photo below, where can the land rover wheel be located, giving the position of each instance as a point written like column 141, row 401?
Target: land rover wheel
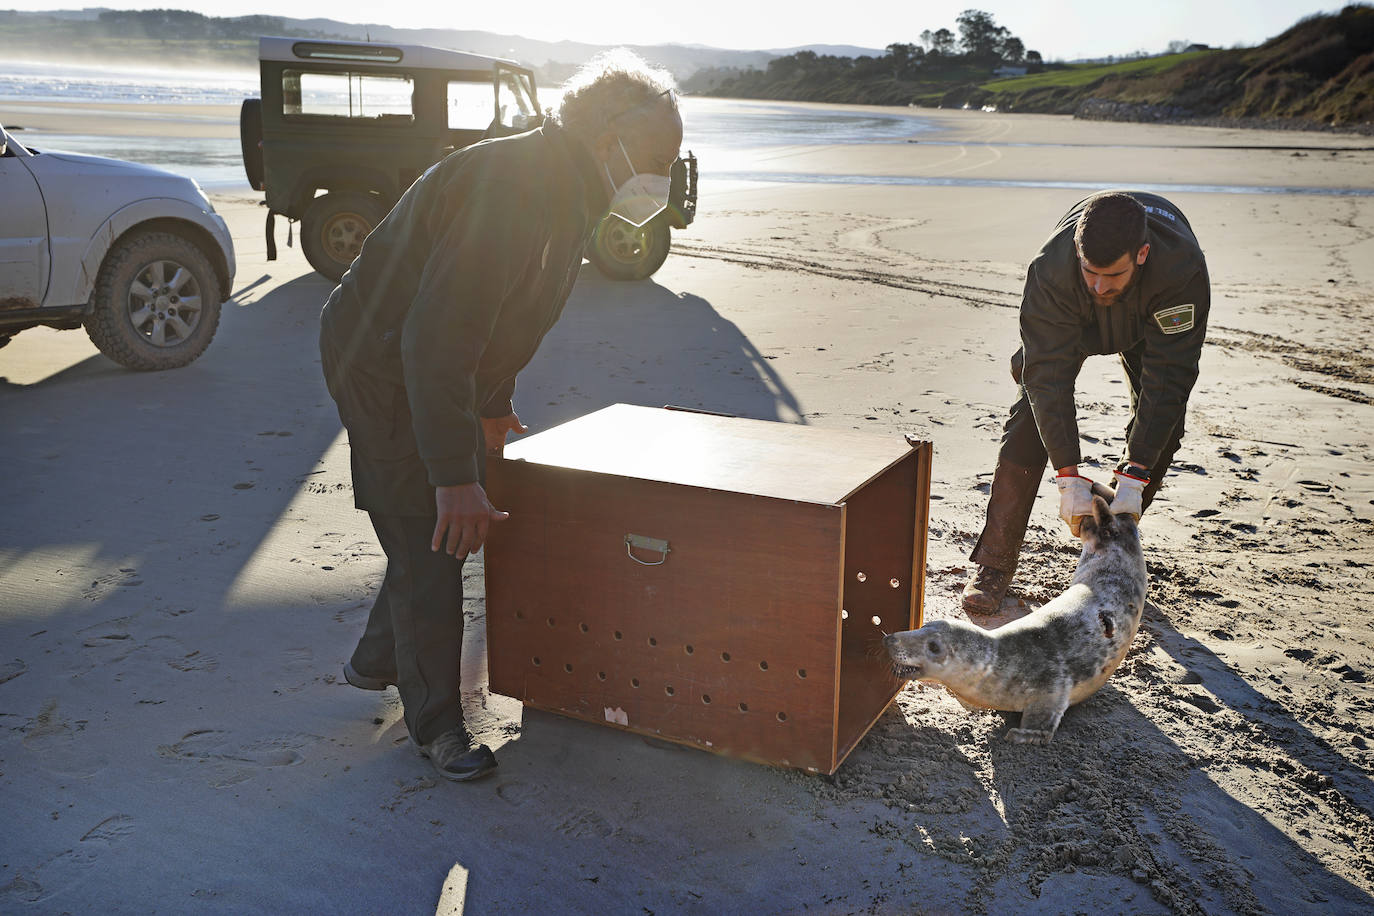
column 333, row 229
column 156, row 303
column 622, row 252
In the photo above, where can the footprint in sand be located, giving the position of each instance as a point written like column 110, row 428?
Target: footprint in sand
column 12, row 669
column 228, row 761
column 58, row 745
column 37, row 883
column 125, row 577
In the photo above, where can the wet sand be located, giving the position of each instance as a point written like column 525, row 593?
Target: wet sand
column 182, row 575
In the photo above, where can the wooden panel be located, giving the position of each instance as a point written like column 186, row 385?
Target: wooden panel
column 880, row 531
column 757, row 457
column 729, row 645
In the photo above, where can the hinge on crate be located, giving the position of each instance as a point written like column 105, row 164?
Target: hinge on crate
column 635, row 542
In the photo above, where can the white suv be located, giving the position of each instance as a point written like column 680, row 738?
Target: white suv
column 136, row 255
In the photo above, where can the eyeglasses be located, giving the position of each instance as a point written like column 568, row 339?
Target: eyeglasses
column 670, row 94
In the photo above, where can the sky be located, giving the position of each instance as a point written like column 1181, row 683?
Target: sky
column 1058, row 29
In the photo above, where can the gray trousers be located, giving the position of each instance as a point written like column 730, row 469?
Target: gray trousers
column 414, row 634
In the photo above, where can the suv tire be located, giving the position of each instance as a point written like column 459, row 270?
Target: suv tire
column 622, row 252
column 333, row 229
column 156, row 303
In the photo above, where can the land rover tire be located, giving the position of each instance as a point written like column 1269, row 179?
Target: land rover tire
column 622, row 252
column 333, row 229
column 156, row 303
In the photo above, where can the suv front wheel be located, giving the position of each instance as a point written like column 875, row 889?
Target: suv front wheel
column 156, row 303
column 333, row 229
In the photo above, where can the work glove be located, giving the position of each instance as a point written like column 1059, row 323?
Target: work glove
column 1129, row 493
column 1075, row 500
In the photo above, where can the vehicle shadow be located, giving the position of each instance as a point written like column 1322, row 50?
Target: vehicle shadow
column 642, row 343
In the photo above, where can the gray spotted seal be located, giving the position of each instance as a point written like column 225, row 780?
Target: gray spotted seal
column 1057, row 656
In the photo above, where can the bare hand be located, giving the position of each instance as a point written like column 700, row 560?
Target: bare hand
column 494, row 430
column 465, row 516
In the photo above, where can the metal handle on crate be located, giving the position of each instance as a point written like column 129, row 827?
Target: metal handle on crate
column 635, row 542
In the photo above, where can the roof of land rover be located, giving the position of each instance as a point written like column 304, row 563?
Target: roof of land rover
column 374, row 52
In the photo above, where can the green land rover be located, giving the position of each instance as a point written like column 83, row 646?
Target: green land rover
column 344, row 127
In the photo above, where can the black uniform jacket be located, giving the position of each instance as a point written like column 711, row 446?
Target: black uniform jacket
column 1163, row 318
column 450, row 297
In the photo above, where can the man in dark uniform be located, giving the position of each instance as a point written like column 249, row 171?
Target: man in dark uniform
column 421, row 342
column 1122, row 273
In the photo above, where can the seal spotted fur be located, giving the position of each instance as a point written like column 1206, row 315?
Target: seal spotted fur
column 1045, row 662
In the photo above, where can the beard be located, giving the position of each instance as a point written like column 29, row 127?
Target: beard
column 1119, row 295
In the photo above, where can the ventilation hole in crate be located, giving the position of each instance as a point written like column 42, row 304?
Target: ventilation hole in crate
column 744, row 707
column 583, row 627
column 801, row 672
column 895, row 583
column 688, row 649
column 536, row 661
column 877, row 621
column 634, row 682
column 782, row 717
column 844, row 615
column 763, row 666
column 862, row 577
column 567, row 666
column 725, row 656
column 669, row 690
column 601, row 675
column 652, row 641
column 619, row 635
column 551, row 621
column 706, row 698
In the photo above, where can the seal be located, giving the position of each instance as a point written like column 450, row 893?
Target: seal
column 1057, row 656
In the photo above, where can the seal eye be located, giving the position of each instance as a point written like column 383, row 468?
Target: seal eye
column 933, row 648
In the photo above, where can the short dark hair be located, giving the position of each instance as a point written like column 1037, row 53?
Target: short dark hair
column 1111, row 225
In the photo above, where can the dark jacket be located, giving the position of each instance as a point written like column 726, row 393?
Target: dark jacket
column 453, row 292
column 1163, row 317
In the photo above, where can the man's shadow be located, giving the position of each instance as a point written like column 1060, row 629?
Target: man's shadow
column 644, row 344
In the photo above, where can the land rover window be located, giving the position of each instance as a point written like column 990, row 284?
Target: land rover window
column 515, row 104
column 372, row 96
column 470, row 105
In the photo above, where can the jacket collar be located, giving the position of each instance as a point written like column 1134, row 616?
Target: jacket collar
column 593, row 191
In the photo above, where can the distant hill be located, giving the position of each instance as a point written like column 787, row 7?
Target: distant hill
column 1320, row 72
column 97, row 34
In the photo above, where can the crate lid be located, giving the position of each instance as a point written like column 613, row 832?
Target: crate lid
column 757, row 457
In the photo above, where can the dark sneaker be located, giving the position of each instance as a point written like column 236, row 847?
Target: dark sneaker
column 455, row 757
column 363, row 682
column 985, row 591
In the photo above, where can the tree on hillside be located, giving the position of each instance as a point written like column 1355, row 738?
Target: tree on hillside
column 940, row 42
column 980, row 36
column 1013, row 50
column 904, row 58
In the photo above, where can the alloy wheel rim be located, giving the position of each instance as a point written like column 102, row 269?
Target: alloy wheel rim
column 164, row 303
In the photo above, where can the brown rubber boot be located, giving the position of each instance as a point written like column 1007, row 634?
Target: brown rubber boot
column 999, row 546
column 985, row 591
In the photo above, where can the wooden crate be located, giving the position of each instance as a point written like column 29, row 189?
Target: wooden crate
column 790, row 551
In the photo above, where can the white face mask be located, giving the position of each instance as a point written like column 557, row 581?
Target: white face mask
column 642, row 197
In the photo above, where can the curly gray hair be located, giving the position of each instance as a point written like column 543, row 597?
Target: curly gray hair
column 610, row 85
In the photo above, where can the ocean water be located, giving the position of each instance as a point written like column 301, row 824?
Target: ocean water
column 725, row 133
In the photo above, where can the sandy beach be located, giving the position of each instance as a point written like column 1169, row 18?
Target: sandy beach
column 182, row 574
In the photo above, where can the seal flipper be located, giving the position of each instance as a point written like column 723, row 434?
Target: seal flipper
column 1040, row 719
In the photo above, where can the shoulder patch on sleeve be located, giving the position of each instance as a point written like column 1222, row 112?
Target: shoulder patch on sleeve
column 1175, row 320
